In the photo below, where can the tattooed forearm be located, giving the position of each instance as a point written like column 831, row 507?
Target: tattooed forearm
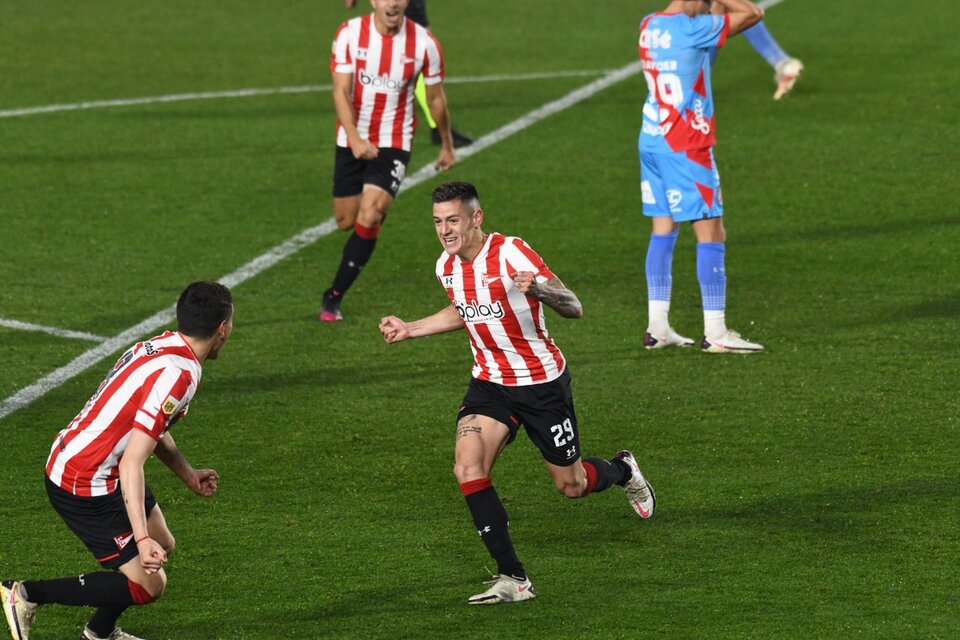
column 556, row 296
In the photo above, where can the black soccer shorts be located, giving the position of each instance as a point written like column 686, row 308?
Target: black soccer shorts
column 544, row 410
column 385, row 171
column 100, row 522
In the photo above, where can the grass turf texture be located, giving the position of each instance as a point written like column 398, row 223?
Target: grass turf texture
column 810, row 492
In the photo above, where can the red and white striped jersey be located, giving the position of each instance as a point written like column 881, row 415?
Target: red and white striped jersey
column 385, row 70
column 506, row 327
column 149, row 389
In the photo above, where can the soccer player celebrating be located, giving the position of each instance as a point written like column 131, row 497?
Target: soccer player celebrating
column 375, row 63
column 679, row 178
column 498, row 287
column 94, row 475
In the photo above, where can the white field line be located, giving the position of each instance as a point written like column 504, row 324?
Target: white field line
column 54, row 331
column 84, row 361
column 246, row 93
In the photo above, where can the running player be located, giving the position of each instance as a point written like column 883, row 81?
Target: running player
column 94, row 474
column 417, row 11
column 679, row 178
column 498, row 287
column 375, row 63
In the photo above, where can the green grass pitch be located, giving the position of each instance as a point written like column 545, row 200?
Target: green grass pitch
column 809, row 492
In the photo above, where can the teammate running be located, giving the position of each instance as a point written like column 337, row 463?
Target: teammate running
column 498, row 286
column 94, row 475
column 375, row 63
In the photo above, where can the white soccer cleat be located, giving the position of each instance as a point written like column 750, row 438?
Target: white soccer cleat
column 787, row 72
column 670, row 339
column 18, row 611
column 505, row 589
column 116, row 634
column 639, row 491
column 730, row 342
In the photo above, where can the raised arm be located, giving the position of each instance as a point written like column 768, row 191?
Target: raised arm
column 552, row 293
column 396, row 330
column 743, row 14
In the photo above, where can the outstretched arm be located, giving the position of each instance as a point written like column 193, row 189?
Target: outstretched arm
column 552, row 293
column 396, row 330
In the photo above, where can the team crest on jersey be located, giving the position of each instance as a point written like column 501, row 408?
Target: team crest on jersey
column 123, row 539
column 169, row 405
column 488, row 280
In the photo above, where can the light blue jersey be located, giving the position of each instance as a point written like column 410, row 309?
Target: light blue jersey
column 675, row 51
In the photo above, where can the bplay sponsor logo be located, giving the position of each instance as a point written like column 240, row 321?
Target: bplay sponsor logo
column 382, row 83
column 477, row 312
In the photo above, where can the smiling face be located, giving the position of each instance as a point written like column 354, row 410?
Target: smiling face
column 388, row 15
column 458, row 227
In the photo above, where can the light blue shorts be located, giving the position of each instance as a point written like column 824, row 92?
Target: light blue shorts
column 684, row 185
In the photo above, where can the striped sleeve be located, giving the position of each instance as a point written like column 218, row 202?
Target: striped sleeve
column 341, row 57
column 165, row 397
column 522, row 258
column 432, row 60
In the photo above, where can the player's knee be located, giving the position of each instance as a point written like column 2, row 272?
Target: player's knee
column 466, row 471
column 169, row 543
column 344, row 223
column 152, row 587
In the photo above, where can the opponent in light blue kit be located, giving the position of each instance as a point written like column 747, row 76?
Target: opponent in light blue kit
column 679, row 179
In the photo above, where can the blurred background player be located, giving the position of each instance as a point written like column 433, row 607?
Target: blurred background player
column 679, row 181
column 498, row 286
column 417, row 11
column 375, row 62
column 94, row 474
column 786, row 70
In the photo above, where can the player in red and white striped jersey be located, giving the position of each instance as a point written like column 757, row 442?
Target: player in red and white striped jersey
column 498, row 287
column 95, row 478
column 375, row 63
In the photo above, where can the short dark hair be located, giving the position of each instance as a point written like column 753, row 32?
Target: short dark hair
column 457, row 190
column 202, row 307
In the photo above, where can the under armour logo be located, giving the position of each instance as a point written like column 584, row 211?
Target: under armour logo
column 572, row 451
column 486, row 529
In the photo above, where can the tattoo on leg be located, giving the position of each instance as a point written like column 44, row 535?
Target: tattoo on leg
column 466, row 429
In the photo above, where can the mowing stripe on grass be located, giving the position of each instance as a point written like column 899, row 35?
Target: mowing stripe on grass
column 84, row 361
column 246, row 93
column 54, row 331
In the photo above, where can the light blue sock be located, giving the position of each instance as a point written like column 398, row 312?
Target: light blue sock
column 763, row 42
column 711, row 275
column 660, row 264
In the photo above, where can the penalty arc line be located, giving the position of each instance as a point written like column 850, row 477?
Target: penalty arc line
column 28, row 395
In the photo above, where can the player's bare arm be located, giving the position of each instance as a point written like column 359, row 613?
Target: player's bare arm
column 139, row 448
column 202, row 482
column 552, row 293
column 343, row 104
column 742, row 14
column 396, row 330
column 437, row 103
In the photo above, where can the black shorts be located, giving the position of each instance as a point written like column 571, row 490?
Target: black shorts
column 385, row 171
column 417, row 11
column 545, row 411
column 100, row 522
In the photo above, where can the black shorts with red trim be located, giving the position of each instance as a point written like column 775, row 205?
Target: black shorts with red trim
column 544, row 410
column 101, row 522
column 385, row 171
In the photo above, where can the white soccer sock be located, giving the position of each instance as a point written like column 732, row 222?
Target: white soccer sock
column 714, row 324
column 659, row 314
